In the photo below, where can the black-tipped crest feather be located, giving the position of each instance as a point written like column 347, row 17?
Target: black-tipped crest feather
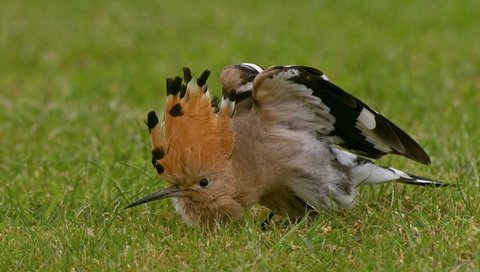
column 159, row 168
column 169, row 82
column 175, row 86
column 176, row 110
column 183, row 90
column 202, row 80
column 158, row 153
column 152, row 120
column 187, row 74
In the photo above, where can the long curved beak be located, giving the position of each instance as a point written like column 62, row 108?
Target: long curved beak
column 172, row 191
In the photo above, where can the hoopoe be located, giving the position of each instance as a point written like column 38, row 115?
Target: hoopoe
column 280, row 137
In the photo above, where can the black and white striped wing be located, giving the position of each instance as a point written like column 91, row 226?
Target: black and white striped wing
column 303, row 98
column 238, row 79
column 237, row 84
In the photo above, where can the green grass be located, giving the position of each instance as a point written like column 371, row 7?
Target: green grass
column 77, row 78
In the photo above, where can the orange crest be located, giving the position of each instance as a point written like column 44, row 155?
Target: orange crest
column 195, row 136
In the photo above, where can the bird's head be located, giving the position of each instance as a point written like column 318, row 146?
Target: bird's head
column 192, row 151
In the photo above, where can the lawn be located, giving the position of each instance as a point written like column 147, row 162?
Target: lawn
column 78, row 77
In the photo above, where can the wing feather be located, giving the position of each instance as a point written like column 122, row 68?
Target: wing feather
column 303, row 98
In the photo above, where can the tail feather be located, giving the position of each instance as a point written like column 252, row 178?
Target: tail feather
column 363, row 171
column 418, row 180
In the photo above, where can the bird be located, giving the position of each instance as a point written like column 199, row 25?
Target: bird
column 284, row 137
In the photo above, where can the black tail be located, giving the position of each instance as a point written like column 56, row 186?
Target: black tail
column 421, row 181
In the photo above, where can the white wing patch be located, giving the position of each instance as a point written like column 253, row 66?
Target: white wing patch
column 367, row 118
column 298, row 97
column 253, row 65
column 366, row 123
column 287, row 74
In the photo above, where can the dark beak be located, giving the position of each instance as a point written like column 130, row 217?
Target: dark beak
column 172, row 191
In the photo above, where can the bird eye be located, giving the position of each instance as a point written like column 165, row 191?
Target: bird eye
column 203, row 182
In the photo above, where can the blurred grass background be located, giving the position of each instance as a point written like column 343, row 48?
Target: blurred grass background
column 77, row 78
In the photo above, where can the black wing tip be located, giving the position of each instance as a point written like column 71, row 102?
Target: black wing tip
column 412, row 149
column 418, row 153
column 413, row 153
column 422, row 158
